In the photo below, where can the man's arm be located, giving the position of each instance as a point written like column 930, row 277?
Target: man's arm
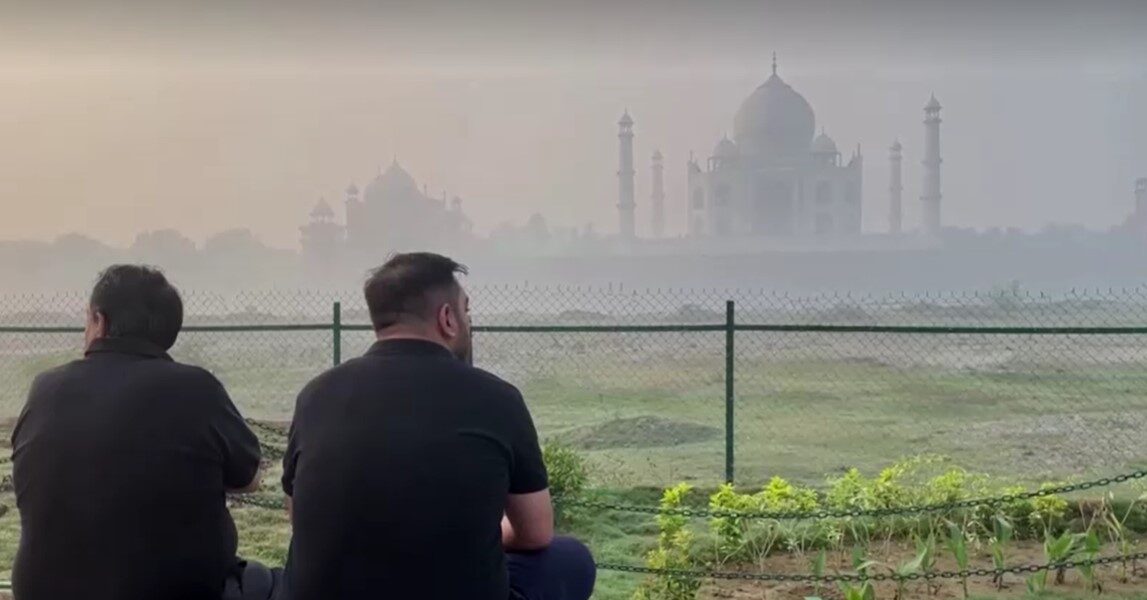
column 256, row 481
column 529, row 521
column 238, row 447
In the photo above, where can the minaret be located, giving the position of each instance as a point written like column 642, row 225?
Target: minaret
column 625, row 174
column 1141, row 198
column 1139, row 218
column 895, row 187
column 657, row 198
column 931, row 183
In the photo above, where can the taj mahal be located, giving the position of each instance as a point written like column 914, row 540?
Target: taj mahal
column 774, row 177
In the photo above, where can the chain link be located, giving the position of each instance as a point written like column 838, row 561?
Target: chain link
column 858, row 577
column 855, row 512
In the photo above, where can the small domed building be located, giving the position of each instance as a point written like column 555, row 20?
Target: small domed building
column 392, row 214
column 774, row 178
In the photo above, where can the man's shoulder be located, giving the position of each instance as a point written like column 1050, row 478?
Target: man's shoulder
column 171, row 375
column 491, row 383
column 47, row 379
column 350, row 370
column 186, row 373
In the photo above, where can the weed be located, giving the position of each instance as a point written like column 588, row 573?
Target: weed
column 1002, row 531
column 958, row 545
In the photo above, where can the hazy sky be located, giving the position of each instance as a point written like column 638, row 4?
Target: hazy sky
column 119, row 117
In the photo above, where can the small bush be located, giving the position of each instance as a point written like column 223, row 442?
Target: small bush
column 566, row 468
column 674, row 552
column 568, row 475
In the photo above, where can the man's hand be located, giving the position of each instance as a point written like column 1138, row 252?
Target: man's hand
column 529, row 521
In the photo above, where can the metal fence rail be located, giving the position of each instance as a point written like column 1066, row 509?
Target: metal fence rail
column 704, row 385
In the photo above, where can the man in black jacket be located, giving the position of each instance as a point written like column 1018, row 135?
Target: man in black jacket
column 121, row 461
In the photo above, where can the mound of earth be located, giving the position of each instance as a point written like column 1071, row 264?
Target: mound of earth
column 639, row 432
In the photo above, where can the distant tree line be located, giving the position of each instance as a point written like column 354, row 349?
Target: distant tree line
column 234, row 258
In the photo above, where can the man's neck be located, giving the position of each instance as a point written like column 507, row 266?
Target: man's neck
column 387, row 336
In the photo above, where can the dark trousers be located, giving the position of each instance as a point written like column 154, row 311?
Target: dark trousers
column 564, row 571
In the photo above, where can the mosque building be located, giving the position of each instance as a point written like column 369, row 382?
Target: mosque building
column 392, row 214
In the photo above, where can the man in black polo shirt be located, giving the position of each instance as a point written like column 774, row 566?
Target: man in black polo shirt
column 121, row 461
column 415, row 475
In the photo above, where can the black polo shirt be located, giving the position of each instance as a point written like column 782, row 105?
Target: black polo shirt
column 399, row 464
column 120, row 465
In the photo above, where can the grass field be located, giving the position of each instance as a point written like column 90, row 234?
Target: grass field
column 649, row 409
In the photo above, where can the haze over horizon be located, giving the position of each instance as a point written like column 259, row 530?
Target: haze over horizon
column 130, row 117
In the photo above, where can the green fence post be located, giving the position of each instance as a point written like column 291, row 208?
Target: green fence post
column 337, row 333
column 730, row 329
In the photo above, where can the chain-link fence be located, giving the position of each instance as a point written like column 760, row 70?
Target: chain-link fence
column 657, row 386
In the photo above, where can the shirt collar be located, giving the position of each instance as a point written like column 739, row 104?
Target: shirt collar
column 132, row 346
column 408, row 347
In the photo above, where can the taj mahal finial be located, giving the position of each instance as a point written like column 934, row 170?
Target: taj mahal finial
column 774, row 63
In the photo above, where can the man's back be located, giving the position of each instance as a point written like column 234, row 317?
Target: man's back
column 121, row 461
column 399, row 466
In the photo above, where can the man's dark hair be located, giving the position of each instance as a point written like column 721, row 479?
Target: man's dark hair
column 137, row 302
column 411, row 285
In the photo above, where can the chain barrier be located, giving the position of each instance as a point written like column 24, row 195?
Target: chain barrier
column 271, row 429
column 929, row 576
column 271, row 452
column 856, row 512
column 257, row 501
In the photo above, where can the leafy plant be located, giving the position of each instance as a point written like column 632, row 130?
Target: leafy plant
column 1089, row 552
column 864, row 591
column 1059, row 550
column 817, row 565
column 740, row 539
column 958, row 545
column 729, row 531
column 567, row 472
column 919, row 564
column 674, row 551
column 860, row 560
column 1118, row 531
column 1002, row 531
column 926, row 553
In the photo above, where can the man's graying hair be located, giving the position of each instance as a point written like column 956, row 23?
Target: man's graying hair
column 411, row 286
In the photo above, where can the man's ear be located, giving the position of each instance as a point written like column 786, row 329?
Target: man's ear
column 448, row 321
column 99, row 323
column 95, row 328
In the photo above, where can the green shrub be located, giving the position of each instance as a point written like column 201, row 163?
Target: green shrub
column 674, row 551
column 742, row 539
column 568, row 475
column 566, row 468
